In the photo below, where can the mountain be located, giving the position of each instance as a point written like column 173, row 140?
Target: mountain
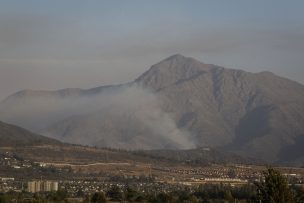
column 258, row 115
column 179, row 103
column 13, row 136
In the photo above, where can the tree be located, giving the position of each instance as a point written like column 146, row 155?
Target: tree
column 115, row 193
column 98, row 197
column 192, row 199
column 57, row 196
column 299, row 197
column 131, row 195
column 3, row 198
column 183, row 195
column 228, row 196
column 274, row 189
column 162, row 198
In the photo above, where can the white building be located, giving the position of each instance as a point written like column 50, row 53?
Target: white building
column 42, row 186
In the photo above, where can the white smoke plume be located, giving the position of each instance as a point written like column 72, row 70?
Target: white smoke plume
column 128, row 117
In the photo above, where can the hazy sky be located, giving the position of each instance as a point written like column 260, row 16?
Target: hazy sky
column 69, row 43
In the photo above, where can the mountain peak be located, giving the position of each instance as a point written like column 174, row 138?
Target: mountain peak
column 171, row 70
column 176, row 57
column 181, row 59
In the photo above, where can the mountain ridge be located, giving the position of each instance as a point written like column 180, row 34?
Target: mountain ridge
column 80, row 91
column 256, row 114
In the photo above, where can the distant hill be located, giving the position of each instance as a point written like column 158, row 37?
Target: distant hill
column 200, row 156
column 13, row 136
column 179, row 103
column 76, row 154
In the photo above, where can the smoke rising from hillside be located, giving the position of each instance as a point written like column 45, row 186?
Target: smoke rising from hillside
column 130, row 111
